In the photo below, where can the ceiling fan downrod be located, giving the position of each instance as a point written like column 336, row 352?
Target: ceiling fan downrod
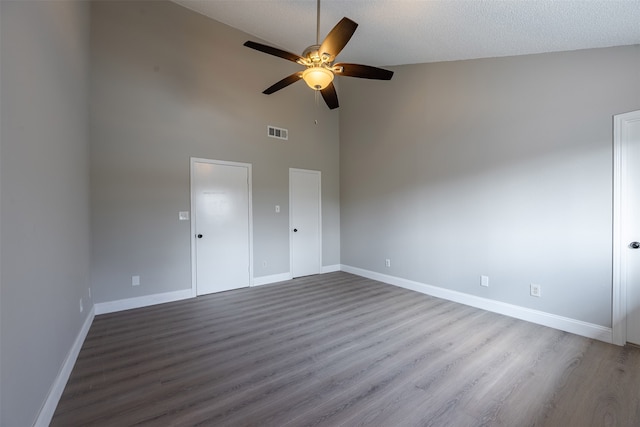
column 318, row 23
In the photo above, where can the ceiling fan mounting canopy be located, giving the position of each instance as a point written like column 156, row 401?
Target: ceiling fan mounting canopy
column 318, row 60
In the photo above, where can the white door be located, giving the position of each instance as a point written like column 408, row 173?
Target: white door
column 221, row 225
column 305, row 222
column 627, row 242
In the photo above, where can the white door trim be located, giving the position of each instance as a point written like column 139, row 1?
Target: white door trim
column 619, row 279
column 193, row 160
column 291, row 217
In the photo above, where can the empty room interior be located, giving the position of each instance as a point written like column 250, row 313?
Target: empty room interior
column 449, row 240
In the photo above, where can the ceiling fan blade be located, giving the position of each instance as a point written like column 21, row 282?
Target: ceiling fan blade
column 338, row 38
column 330, row 96
column 283, row 83
column 273, row 51
column 363, row 71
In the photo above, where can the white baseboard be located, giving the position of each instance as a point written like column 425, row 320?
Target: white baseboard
column 265, row 280
column 55, row 392
column 144, row 301
column 578, row 327
column 330, row 268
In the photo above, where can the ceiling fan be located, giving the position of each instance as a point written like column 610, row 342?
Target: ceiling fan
column 318, row 60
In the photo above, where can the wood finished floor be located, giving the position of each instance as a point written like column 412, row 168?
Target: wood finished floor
column 342, row 350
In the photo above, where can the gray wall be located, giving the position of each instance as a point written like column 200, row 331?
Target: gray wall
column 498, row 167
column 168, row 84
column 44, row 175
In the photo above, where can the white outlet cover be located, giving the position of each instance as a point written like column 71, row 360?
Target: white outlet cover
column 183, row 215
column 484, row 281
column 535, row 290
column 135, row 280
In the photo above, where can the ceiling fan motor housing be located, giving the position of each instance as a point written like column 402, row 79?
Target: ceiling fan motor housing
column 312, row 56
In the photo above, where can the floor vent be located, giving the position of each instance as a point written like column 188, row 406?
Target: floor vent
column 279, row 133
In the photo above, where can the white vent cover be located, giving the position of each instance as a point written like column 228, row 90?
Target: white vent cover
column 279, row 133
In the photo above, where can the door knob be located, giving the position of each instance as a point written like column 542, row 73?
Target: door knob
column 199, row 236
column 634, row 245
column 295, row 230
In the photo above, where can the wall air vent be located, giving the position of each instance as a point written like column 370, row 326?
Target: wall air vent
column 279, row 133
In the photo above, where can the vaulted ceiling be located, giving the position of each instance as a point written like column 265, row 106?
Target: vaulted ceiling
column 393, row 32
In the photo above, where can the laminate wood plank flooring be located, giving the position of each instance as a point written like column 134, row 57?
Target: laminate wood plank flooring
column 342, row 350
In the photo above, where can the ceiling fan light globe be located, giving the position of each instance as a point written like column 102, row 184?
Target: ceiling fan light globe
column 317, row 78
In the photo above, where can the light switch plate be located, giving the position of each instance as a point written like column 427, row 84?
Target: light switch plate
column 183, row 215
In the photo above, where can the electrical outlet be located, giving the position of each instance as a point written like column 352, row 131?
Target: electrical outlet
column 484, row 281
column 135, row 280
column 536, row 290
column 387, row 262
column 81, row 307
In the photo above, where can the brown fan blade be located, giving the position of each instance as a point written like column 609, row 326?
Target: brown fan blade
column 338, row 38
column 330, row 96
column 283, row 83
column 273, row 51
column 362, row 71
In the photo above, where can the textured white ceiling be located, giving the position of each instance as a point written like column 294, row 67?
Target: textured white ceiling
column 393, row 32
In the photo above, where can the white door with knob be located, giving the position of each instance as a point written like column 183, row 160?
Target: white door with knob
column 305, row 222
column 221, row 225
column 626, row 294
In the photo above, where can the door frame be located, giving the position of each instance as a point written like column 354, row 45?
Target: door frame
column 314, row 172
column 193, row 160
column 619, row 277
